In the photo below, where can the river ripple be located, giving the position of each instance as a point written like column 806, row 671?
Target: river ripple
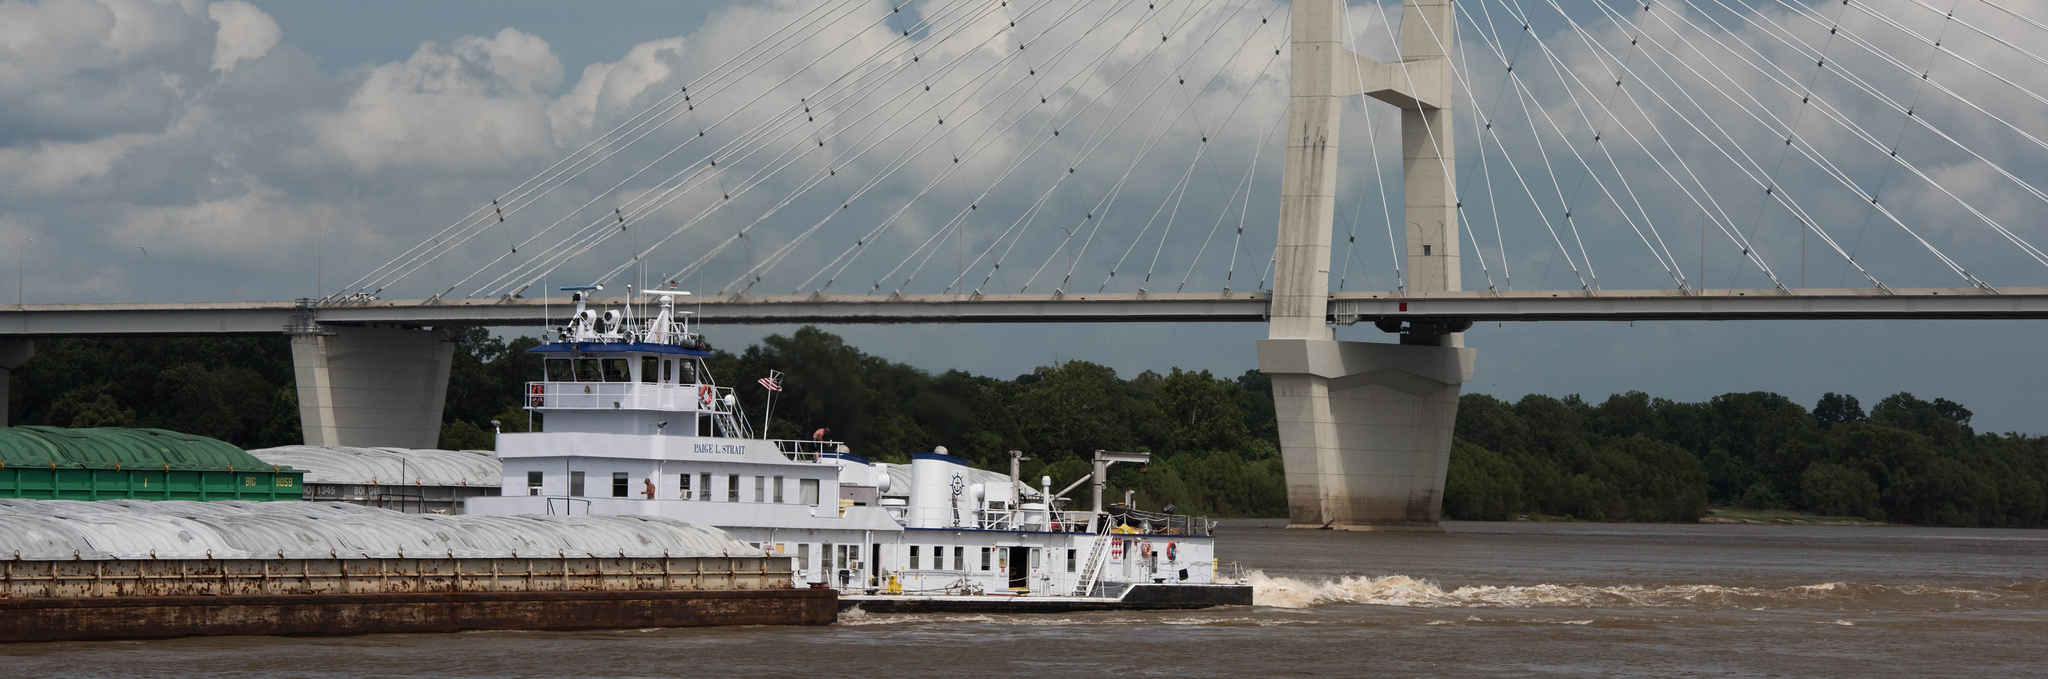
column 1480, row 599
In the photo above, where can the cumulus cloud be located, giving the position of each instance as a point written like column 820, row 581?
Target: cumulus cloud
column 76, row 70
column 254, row 222
column 245, row 33
column 476, row 103
column 614, row 86
column 55, row 166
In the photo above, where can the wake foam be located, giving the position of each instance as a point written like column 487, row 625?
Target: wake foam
column 1402, row 590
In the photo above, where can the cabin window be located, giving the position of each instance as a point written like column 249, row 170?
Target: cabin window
column 803, row 558
column 683, row 487
column 760, row 488
column 668, row 371
column 913, row 557
column 704, row 482
column 1071, row 554
column 559, row 370
column 576, row 483
column 586, row 370
column 615, row 370
column 807, row 492
column 959, row 558
column 687, row 371
column 647, row 365
column 618, row 484
column 732, row 488
column 778, row 490
column 984, row 558
column 533, row 483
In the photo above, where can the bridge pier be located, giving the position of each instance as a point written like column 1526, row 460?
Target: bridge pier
column 13, row 353
column 1365, row 429
column 371, row 386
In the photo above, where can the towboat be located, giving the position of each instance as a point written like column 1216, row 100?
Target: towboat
column 628, row 420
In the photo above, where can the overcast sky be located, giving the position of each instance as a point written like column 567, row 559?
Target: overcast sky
column 162, row 151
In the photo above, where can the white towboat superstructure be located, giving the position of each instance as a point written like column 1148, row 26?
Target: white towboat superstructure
column 628, row 421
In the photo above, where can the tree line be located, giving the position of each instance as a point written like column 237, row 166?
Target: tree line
column 1214, row 439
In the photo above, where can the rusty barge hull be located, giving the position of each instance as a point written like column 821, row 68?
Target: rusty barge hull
column 79, row 619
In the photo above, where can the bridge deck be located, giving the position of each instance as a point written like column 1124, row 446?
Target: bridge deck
column 268, row 317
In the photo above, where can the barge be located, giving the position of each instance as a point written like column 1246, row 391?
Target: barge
column 128, row 569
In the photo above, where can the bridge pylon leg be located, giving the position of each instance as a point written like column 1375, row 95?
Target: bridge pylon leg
column 371, row 386
column 13, row 353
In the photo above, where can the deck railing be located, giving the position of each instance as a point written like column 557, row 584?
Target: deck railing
column 623, row 396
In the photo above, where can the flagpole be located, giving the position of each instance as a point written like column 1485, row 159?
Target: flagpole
column 768, row 413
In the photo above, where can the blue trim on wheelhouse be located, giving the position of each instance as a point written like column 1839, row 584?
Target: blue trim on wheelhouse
column 942, row 457
column 615, row 347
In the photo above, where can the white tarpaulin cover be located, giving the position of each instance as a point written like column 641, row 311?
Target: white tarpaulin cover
column 39, row 530
column 388, row 466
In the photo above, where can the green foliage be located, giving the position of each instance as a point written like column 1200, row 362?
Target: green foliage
column 234, row 389
column 1830, row 489
column 1214, row 439
column 460, row 435
column 1633, row 458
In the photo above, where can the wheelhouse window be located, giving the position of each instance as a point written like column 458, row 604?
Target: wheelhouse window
column 618, row 484
column 668, row 371
column 732, row 488
column 586, row 370
column 778, row 490
column 615, row 370
column 559, row 370
column 683, row 489
column 704, row 482
column 760, row 487
column 807, row 492
column 686, row 372
column 576, row 484
column 648, row 365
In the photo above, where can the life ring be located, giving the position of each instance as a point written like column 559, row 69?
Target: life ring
column 537, row 395
column 706, row 395
column 1172, row 552
column 1145, row 548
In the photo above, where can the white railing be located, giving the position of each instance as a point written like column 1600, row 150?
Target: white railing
column 805, row 450
column 622, row 396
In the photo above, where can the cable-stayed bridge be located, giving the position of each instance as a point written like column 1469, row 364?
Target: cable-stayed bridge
column 1296, row 164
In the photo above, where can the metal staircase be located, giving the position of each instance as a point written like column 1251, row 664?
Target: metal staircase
column 1092, row 573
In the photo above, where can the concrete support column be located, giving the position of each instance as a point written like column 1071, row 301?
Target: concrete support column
column 1365, row 429
column 1308, row 181
column 1428, row 151
column 13, row 353
column 371, row 386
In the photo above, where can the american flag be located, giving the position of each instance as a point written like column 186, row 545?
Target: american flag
column 771, row 383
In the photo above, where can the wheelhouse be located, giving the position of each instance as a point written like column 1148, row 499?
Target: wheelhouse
column 653, row 369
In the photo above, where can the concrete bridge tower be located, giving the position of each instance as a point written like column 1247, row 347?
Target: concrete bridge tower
column 1365, row 428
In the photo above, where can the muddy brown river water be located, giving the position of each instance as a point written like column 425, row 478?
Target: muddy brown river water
column 1481, row 599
